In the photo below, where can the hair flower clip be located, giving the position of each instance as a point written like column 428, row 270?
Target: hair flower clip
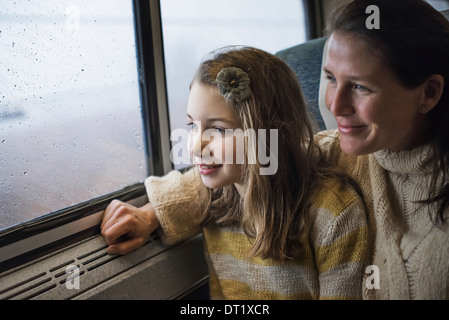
column 233, row 83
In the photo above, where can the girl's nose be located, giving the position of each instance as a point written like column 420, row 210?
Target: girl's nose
column 195, row 144
column 198, row 145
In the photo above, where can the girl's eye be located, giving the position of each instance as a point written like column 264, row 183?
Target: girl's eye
column 220, row 130
column 192, row 125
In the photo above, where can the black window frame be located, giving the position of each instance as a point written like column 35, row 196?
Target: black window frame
column 313, row 13
column 144, row 37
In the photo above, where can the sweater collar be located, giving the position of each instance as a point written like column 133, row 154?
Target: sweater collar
column 415, row 161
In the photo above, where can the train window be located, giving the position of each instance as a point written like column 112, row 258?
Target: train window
column 83, row 118
column 70, row 120
column 193, row 28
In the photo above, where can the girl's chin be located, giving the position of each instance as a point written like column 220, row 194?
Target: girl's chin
column 209, row 182
column 214, row 183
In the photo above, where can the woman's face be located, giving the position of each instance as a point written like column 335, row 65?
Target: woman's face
column 373, row 110
column 211, row 149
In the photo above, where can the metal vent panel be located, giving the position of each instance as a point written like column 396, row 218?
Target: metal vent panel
column 47, row 277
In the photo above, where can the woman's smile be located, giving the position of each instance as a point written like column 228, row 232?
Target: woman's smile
column 351, row 129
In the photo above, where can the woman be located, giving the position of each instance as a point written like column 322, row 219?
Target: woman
column 388, row 90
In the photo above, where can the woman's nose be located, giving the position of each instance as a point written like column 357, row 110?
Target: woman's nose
column 339, row 102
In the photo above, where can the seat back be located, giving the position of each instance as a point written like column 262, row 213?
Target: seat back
column 306, row 61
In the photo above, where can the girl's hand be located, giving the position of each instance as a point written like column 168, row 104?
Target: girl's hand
column 126, row 228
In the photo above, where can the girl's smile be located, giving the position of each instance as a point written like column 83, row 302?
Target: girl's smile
column 207, row 170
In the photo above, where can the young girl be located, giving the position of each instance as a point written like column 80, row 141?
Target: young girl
column 298, row 233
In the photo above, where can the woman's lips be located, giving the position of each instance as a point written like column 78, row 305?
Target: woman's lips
column 206, row 170
column 350, row 129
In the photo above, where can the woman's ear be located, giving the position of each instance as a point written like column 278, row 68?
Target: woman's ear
column 433, row 90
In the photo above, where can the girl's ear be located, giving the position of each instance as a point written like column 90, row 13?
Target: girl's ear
column 433, row 90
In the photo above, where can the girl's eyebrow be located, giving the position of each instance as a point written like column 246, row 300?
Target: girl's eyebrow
column 215, row 119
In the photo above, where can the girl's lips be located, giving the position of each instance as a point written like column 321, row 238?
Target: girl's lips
column 206, row 170
column 350, row 129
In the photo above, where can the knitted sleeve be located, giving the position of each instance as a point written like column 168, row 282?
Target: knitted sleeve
column 340, row 242
column 329, row 143
column 176, row 199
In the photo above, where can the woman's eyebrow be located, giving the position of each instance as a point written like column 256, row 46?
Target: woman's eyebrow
column 349, row 77
column 326, row 70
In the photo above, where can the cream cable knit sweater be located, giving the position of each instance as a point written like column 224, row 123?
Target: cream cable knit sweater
column 412, row 254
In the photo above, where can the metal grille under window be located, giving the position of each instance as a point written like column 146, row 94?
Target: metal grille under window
column 47, row 277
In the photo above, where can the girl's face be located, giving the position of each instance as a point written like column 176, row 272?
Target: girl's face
column 373, row 110
column 209, row 116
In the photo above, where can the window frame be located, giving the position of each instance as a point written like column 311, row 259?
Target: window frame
column 17, row 244
column 313, row 13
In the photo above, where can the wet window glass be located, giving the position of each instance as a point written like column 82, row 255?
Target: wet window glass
column 193, row 28
column 70, row 112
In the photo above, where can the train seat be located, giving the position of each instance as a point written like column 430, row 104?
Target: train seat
column 306, row 60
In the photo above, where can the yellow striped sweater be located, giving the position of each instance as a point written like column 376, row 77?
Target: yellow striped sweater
column 331, row 267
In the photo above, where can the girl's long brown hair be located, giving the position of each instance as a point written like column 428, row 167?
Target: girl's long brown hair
column 273, row 209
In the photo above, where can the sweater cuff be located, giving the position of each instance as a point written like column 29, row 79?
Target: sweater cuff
column 176, row 200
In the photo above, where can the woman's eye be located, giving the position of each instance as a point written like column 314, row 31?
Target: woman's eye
column 360, row 88
column 331, row 79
